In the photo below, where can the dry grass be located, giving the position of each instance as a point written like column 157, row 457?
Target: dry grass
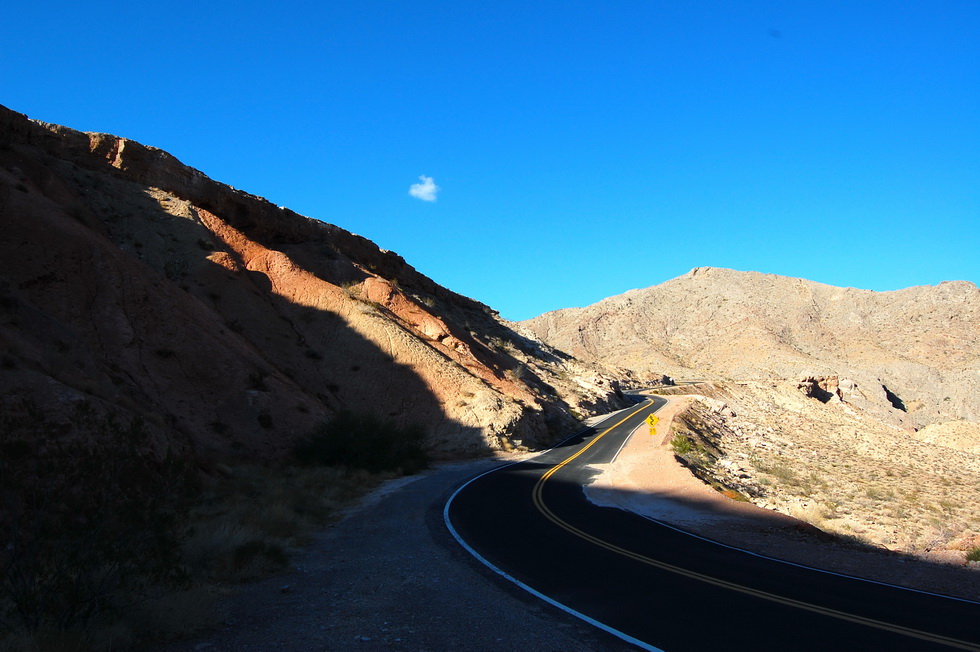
column 262, row 509
column 244, row 526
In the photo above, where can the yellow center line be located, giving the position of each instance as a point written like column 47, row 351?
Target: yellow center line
column 538, row 499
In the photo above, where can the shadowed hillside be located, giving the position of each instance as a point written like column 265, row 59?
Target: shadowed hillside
column 136, row 285
column 194, row 379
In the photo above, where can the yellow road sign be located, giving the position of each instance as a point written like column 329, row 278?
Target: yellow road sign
column 652, row 421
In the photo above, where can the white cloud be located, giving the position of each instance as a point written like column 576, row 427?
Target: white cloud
column 426, row 191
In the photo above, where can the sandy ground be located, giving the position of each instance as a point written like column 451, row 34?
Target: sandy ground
column 646, row 479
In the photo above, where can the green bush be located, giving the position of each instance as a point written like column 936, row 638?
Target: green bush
column 681, row 445
column 974, row 554
column 364, row 441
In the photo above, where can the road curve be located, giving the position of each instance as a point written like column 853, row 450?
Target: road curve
column 660, row 588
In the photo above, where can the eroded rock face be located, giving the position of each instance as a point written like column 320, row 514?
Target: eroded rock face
column 822, row 388
column 131, row 284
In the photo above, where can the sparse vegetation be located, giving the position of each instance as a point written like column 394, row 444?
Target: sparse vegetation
column 779, row 470
column 88, row 527
column 364, row 441
column 352, row 288
column 498, row 344
column 108, row 542
column 681, row 445
column 427, row 301
column 853, row 480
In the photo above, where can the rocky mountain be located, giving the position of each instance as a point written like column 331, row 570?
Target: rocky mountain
column 133, row 285
column 909, row 357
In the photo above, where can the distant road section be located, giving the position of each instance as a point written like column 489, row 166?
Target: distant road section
column 659, row 588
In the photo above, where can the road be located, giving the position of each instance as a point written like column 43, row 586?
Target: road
column 659, row 588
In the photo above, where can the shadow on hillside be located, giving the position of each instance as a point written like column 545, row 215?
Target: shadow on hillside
column 179, row 329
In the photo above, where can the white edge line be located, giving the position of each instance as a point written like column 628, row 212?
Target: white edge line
column 630, row 436
column 604, row 627
column 793, row 563
column 681, row 530
column 538, row 594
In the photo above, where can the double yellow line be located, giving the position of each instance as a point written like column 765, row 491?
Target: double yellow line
column 538, row 498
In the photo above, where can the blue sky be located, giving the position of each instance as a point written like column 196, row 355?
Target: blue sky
column 580, row 149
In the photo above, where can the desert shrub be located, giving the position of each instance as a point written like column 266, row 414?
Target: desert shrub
column 249, row 516
column 779, row 470
column 973, row 554
column 681, row 445
column 352, row 288
column 87, row 526
column 364, row 441
column 262, row 552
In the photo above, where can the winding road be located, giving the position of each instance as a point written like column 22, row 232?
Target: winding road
column 660, row 588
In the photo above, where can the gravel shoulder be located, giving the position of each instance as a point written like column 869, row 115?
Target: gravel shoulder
column 389, row 576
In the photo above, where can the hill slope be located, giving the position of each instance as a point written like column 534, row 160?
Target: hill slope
column 911, row 356
column 135, row 286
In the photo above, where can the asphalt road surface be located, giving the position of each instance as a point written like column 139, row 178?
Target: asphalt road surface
column 659, row 588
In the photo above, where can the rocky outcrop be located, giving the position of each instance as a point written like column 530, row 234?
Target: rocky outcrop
column 135, row 286
column 822, row 388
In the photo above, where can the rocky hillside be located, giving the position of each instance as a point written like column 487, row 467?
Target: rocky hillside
column 830, row 465
column 909, row 357
column 135, row 286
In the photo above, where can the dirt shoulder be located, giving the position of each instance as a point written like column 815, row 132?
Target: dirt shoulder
column 646, row 478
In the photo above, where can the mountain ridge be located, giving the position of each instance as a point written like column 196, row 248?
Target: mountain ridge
column 919, row 345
